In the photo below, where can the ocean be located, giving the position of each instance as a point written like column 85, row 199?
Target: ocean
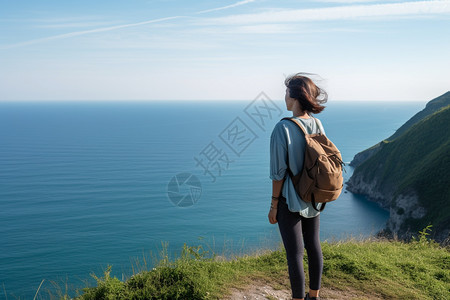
column 84, row 185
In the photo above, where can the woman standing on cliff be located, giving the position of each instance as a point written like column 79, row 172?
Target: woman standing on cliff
column 298, row 221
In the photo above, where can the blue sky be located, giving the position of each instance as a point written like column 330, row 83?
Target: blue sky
column 220, row 50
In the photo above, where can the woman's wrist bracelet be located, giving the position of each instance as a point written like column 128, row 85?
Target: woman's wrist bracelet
column 272, row 204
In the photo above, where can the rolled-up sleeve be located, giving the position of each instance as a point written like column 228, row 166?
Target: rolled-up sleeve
column 278, row 152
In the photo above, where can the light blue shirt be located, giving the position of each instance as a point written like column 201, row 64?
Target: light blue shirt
column 288, row 139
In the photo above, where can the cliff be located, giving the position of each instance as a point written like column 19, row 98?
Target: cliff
column 408, row 173
column 431, row 107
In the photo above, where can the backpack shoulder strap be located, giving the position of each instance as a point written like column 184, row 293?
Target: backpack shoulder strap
column 304, row 132
column 299, row 124
column 318, row 124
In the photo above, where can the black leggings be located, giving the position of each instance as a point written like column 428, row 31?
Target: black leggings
column 294, row 231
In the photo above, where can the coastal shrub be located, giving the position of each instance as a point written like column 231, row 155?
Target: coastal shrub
column 107, row 288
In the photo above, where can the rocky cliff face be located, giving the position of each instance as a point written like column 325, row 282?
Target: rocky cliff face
column 402, row 208
column 358, row 185
column 408, row 175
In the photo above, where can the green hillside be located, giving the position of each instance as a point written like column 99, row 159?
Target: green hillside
column 431, row 107
column 417, row 161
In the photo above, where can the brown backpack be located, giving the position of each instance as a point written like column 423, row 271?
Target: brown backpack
column 321, row 179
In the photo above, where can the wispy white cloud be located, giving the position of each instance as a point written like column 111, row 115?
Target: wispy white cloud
column 419, row 8
column 212, row 31
column 72, row 25
column 226, row 7
column 263, row 29
column 264, row 22
column 110, row 28
column 84, row 32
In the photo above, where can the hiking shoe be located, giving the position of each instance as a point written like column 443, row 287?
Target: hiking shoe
column 311, row 298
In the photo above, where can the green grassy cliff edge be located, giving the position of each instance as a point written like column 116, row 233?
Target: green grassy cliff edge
column 409, row 176
column 368, row 269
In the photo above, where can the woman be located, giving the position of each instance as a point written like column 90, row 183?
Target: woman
column 297, row 220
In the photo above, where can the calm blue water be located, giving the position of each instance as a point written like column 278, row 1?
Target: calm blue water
column 85, row 185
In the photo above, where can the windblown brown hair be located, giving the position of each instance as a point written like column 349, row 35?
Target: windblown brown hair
column 310, row 96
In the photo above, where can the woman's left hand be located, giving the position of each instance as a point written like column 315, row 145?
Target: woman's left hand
column 273, row 216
